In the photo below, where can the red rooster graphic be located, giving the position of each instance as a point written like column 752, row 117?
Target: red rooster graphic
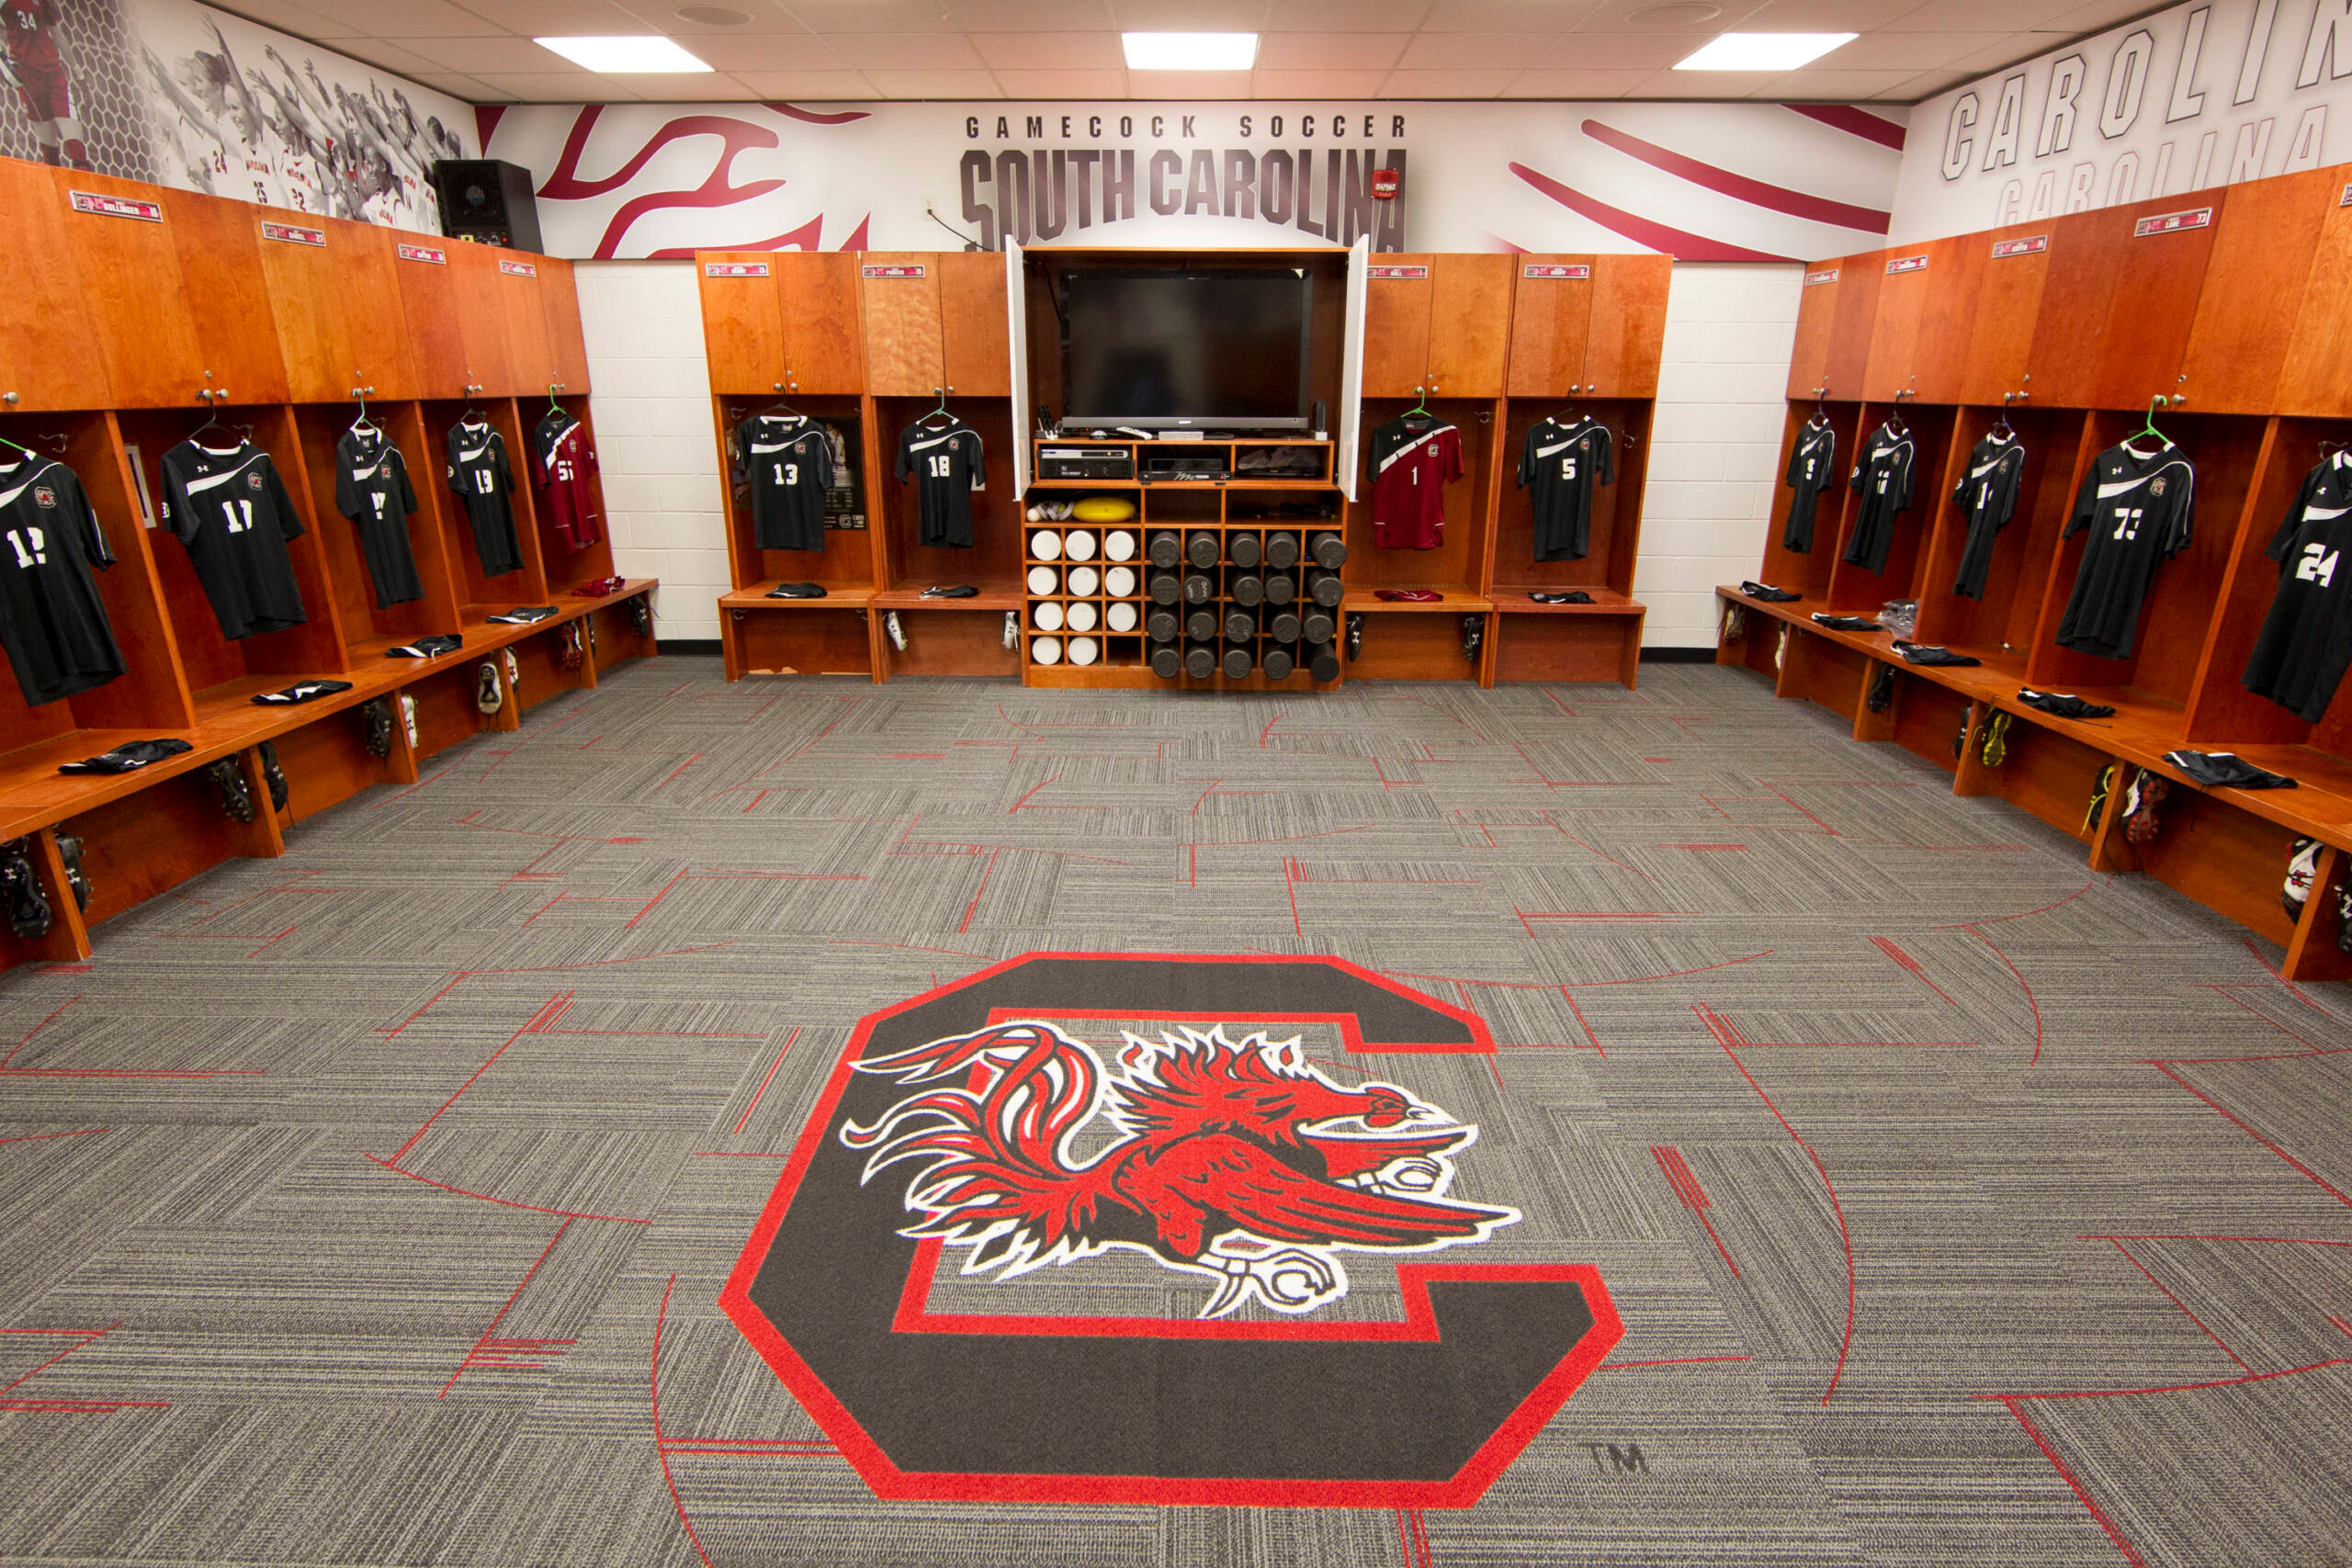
column 1226, row 1159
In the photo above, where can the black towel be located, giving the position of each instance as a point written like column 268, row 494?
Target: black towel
column 2223, row 770
column 2065, row 705
column 525, row 615
column 1848, row 623
column 128, row 758
column 301, row 691
column 1769, row 593
column 425, row 648
column 1928, row 653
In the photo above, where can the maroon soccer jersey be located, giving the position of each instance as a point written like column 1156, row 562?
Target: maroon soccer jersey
column 1410, row 469
column 561, row 460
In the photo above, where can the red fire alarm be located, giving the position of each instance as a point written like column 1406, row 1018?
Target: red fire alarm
column 1385, row 183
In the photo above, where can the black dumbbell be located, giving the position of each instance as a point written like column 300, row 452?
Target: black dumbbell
column 1280, row 662
column 1325, row 665
column 1246, row 588
column 1283, row 626
column 1165, row 549
column 1162, row 625
column 1202, row 548
column 1166, row 587
column 1242, row 549
column 1329, row 551
column 1281, row 589
column 1326, row 589
column 1237, row 663
column 1200, row 660
column 1317, row 626
column 1240, row 625
column 1281, row 551
column 1165, row 663
column 1200, row 588
column 1201, row 624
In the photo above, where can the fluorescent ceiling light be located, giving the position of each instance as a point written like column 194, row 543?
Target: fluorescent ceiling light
column 621, row 56
column 1763, row 52
column 1191, row 52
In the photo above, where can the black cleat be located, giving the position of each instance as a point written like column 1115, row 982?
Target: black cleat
column 236, row 795
column 1355, row 638
column 274, row 776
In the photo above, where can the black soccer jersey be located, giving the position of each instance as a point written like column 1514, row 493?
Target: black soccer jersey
column 1813, row 467
column 2306, row 642
column 1986, row 495
column 231, row 511
column 371, row 487
column 1558, row 465
column 478, row 471
column 787, row 466
column 946, row 463
column 2138, row 507
column 1883, row 479
column 51, row 620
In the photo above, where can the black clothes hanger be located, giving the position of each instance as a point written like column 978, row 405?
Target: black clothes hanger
column 2002, row 428
column 1894, row 425
column 1820, row 406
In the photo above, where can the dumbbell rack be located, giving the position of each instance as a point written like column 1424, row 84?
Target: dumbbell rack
column 1222, row 510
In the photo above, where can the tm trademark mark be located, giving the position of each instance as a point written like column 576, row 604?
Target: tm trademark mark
column 1627, row 1460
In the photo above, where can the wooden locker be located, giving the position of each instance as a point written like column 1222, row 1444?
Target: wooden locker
column 559, row 298
column 526, row 323
column 131, row 293
column 823, row 339
column 1469, row 323
column 1627, row 331
column 975, row 332
column 48, row 344
column 742, row 321
column 1397, row 325
column 2154, row 305
column 375, row 321
column 1847, row 359
column 1941, row 356
column 2313, row 381
column 1549, row 317
column 306, row 298
column 2078, row 287
column 430, row 304
column 904, row 355
column 2265, row 240
column 1816, row 314
column 1909, row 277
column 482, row 320
column 236, row 330
column 2015, row 261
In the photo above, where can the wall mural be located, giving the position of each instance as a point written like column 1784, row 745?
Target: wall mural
column 179, row 94
column 1703, row 182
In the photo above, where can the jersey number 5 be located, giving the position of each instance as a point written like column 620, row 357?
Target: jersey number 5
column 2318, row 565
column 1568, row 468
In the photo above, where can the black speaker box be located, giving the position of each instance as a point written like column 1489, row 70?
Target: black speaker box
column 488, row 200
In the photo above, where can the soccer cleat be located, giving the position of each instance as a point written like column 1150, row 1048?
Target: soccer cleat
column 568, row 651
column 1474, row 636
column 2302, row 865
column 408, row 719
column 897, row 633
column 1994, row 750
column 236, row 795
column 1011, row 627
column 798, row 591
column 950, row 591
column 2342, row 915
column 2100, row 792
column 68, row 849
column 1959, row 741
column 29, row 912
column 514, row 671
column 1735, row 622
column 488, row 695
column 1781, row 651
column 378, row 717
column 1882, row 691
column 273, row 776
column 2148, row 793
column 1355, row 638
column 640, row 615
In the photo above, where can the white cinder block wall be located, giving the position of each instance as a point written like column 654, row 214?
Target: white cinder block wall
column 1729, row 330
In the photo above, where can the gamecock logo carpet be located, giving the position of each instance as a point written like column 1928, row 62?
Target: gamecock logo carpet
column 970, row 1125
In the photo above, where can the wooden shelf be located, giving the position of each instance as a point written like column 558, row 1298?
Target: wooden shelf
column 837, row 596
column 1458, row 601
column 1512, row 599
column 992, row 595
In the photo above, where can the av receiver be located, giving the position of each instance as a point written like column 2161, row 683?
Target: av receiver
column 1162, row 467
column 1085, row 463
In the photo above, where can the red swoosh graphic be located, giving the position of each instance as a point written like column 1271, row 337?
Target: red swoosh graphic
column 1756, row 193
column 1676, row 242
column 813, row 118
column 801, row 239
column 1854, row 122
column 715, row 191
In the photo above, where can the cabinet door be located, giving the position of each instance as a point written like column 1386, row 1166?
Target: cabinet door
column 1950, row 318
column 1847, row 361
column 823, row 336
column 131, row 279
column 218, row 244
column 566, row 345
column 526, row 323
column 2016, row 261
column 2155, row 304
column 2086, row 250
column 2313, row 382
column 375, row 322
column 1628, row 331
column 425, row 273
column 899, row 290
column 743, row 324
column 1816, row 314
column 1470, row 323
column 482, row 320
column 48, row 345
column 306, row 298
column 1397, row 325
column 973, row 326
column 2263, row 246
column 1906, row 276
column 1549, row 315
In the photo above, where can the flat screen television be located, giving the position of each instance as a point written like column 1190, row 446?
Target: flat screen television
column 1167, row 349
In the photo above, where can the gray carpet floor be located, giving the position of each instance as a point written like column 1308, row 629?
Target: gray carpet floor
column 1961, row 1206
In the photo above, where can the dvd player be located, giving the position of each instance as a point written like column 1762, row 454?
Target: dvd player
column 1085, row 463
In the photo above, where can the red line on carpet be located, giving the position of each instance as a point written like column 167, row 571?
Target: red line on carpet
column 1741, row 847
column 1585, row 1022
column 2291, row 1240
column 973, row 908
column 1290, row 887
column 1994, row 920
column 1685, row 1182
column 1845, row 1240
column 2318, row 1181
column 529, row 1025
column 37, row 1137
column 1024, row 799
column 24, row 1038
column 1669, row 1361
column 87, row 1337
column 507, row 1203
column 767, row 1080
column 1270, row 726
column 2169, row 1388
column 1971, row 927
column 1905, row 960
column 2080, row 1491
column 2175, row 1300
column 481, row 1344
column 659, row 1450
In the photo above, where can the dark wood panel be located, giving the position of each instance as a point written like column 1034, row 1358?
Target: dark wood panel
column 976, row 335
column 482, row 320
column 1892, row 363
column 560, row 297
column 904, row 354
column 742, row 322
column 1816, row 318
column 2016, row 265
column 2070, row 320
column 1396, row 329
column 216, row 240
column 131, row 293
column 431, row 304
column 526, row 323
column 823, row 336
column 1549, row 317
column 48, row 341
column 374, row 319
column 1628, row 328
column 1939, row 360
column 1847, row 361
column 2313, row 380
column 1470, row 324
column 2254, row 279
column 2154, row 305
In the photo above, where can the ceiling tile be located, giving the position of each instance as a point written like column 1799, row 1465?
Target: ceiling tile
column 1672, row 84
column 1330, row 51
column 1649, row 16
column 906, row 52
column 1031, row 16
column 1172, row 86
column 1462, row 51
column 661, row 17
column 1844, row 16
column 715, row 87
column 401, row 58
column 1575, row 83
column 1991, row 15
column 870, row 16
column 1613, row 51
column 2094, row 18
column 1446, row 84
column 285, row 15
column 767, row 52
column 1064, row 84
column 1914, row 51
column 933, row 83
column 561, row 87
column 1928, row 84
column 806, row 86
column 576, row 18
column 1506, row 16
column 1055, row 51
column 1282, row 85
column 1343, row 16
column 464, row 88
column 477, row 56
column 1189, row 16
column 410, row 18
column 1828, row 84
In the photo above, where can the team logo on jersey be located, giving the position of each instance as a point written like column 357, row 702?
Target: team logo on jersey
column 253, row 481
column 44, row 496
column 2155, row 487
column 969, row 1137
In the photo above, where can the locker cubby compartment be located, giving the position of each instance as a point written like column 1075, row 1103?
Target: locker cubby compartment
column 1823, row 671
column 478, row 592
column 1292, row 509
column 847, row 557
column 994, row 561
column 1162, row 503
column 813, row 637
column 446, row 712
column 949, row 642
column 1460, row 562
column 1922, row 718
column 1532, row 643
column 1806, row 572
column 564, row 567
column 1616, row 527
column 2008, row 613
column 2228, row 859
column 2042, row 772
column 327, row 762
column 1423, row 645
column 1854, row 589
column 140, row 844
column 368, row 627
column 1295, row 462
